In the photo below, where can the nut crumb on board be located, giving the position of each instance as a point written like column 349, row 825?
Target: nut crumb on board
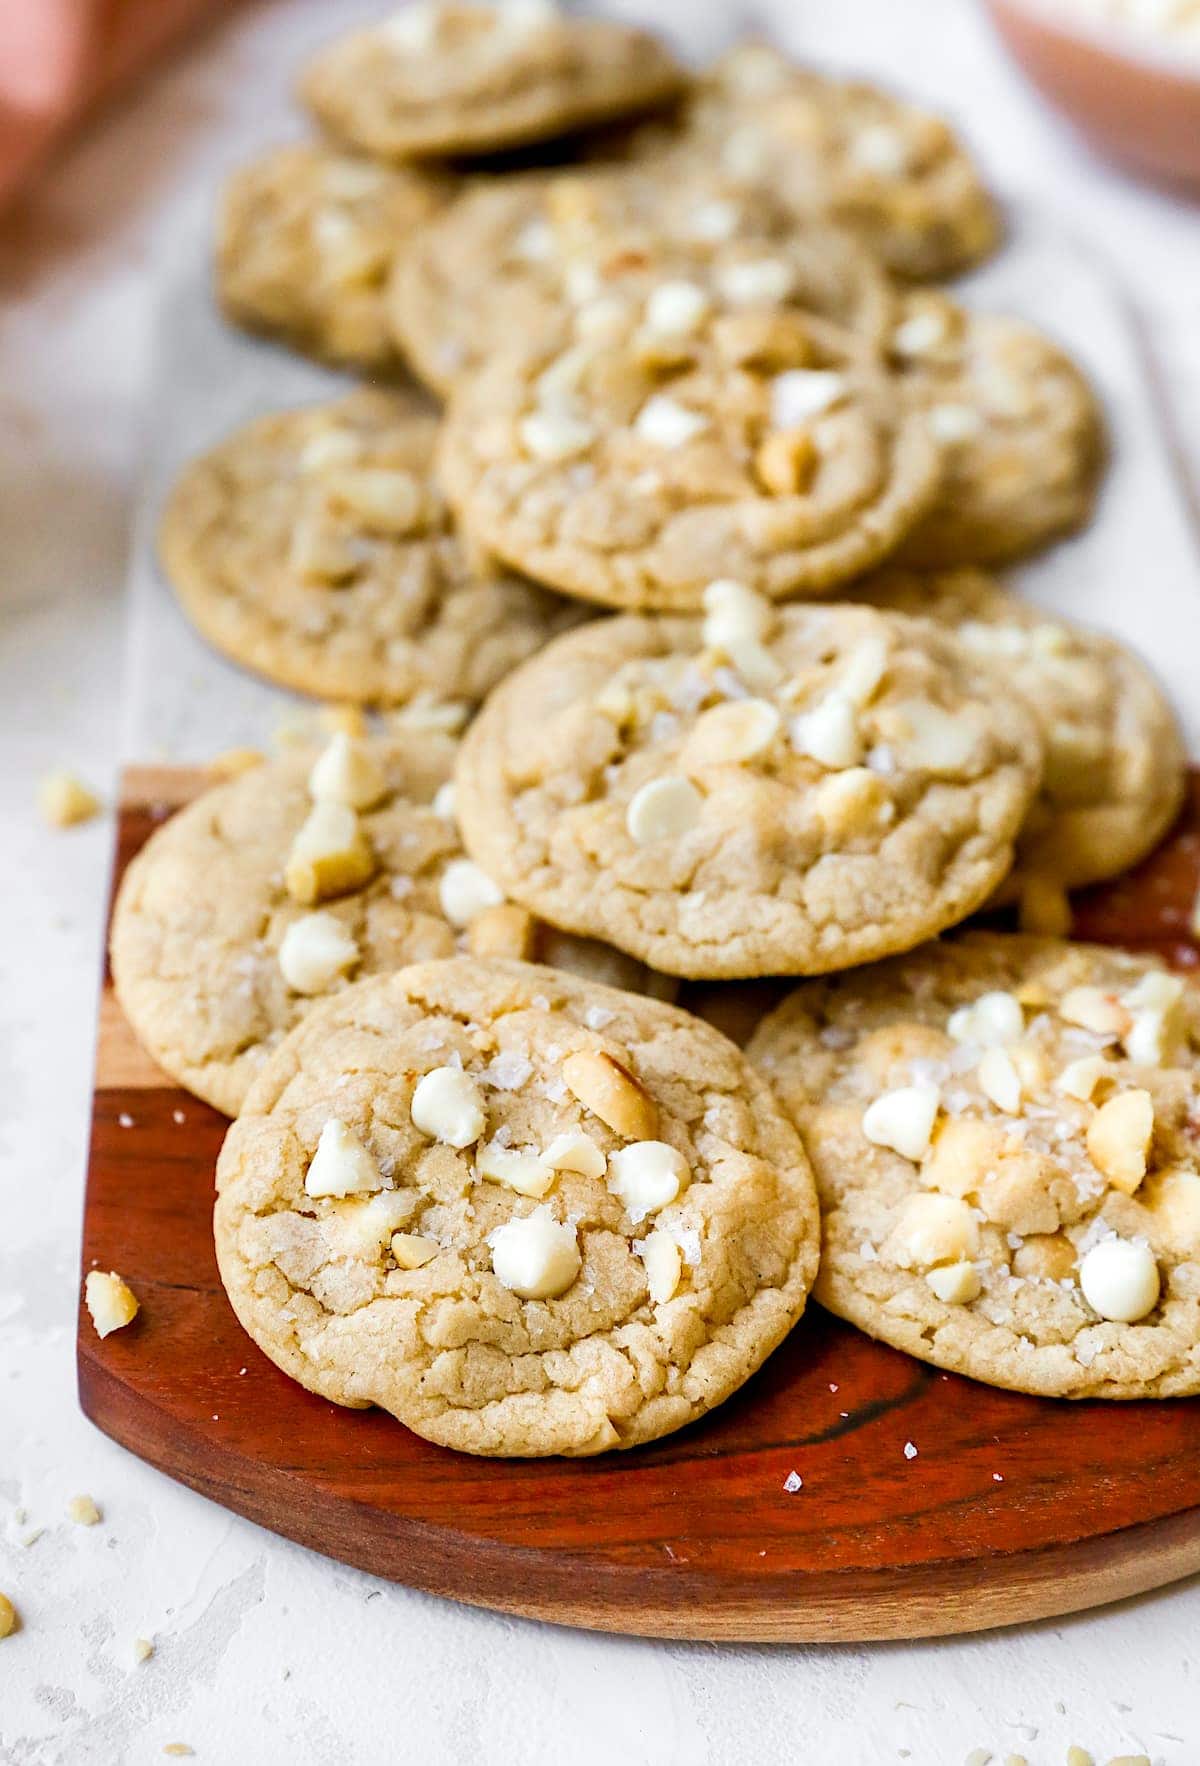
column 83, row 1511
column 110, row 1300
column 64, row 801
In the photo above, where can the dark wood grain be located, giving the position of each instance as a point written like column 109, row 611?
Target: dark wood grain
column 1013, row 1508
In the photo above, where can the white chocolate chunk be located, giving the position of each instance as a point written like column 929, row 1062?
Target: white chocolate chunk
column 801, row 393
column 1080, row 1078
column 314, row 951
column 925, row 737
column 954, row 424
column 1120, row 1280
column 448, row 1105
column 765, row 280
column 676, row 309
column 665, row 423
column 920, row 333
column 413, row 1250
column 733, row 732
column 955, row 1284
column 663, row 809
column 646, row 1175
column 341, row 1165
column 1119, row 1136
column 932, row 1228
column 863, row 671
column 829, row 732
column 902, row 1120
column 851, row 802
column 347, row 771
column 663, row 1263
column 555, row 434
column 994, row 1020
column 535, row 1257
column 734, row 612
column 329, row 856
column 110, row 1301
column 999, row 1080
column 517, row 1168
column 576, row 1151
column 465, row 891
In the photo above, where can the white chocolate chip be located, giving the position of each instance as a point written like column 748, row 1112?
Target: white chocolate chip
column 465, row 891
column 1120, row 1280
column 646, row 1175
column 955, row 1284
column 663, row 809
column 802, row 393
column 448, row 1105
column 765, row 280
column 932, row 1228
column 535, row 1257
column 999, row 1080
column 110, row 1301
column 676, row 309
column 665, row 423
column 315, row 950
column 413, row 1250
column 1119, row 1136
column 516, row 1167
column 576, row 1151
column 347, row 771
column 954, row 424
column 341, row 1165
column 663, row 1263
column 329, row 855
column 555, row 435
column 902, row 1120
column 920, row 333
column 1080, row 1078
column 994, row 1020
column 876, row 148
column 727, row 734
column 829, row 732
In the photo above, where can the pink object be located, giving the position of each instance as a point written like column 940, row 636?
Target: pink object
column 58, row 57
column 1134, row 95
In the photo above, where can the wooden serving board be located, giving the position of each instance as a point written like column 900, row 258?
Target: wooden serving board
column 1012, row 1509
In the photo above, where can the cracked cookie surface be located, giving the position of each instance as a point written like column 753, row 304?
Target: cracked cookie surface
column 769, row 791
column 1115, row 762
column 1022, row 434
column 204, row 910
column 457, row 79
column 663, row 1301
column 314, row 547
column 764, row 445
column 1049, row 1184
column 542, row 255
column 307, row 237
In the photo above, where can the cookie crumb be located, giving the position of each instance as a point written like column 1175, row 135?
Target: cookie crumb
column 143, row 1649
column 83, row 1511
column 64, row 801
column 8, row 1616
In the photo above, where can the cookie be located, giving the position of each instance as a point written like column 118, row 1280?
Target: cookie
column 851, row 153
column 770, row 791
column 523, row 1213
column 456, row 79
column 1115, row 762
column 266, row 894
column 314, row 547
column 766, row 446
column 1004, row 1136
column 537, row 255
column 305, row 243
column 1022, row 434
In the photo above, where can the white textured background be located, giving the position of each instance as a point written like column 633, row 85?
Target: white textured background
column 265, row 1653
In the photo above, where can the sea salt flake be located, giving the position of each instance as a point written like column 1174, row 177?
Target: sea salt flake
column 596, row 1017
column 793, row 1482
column 508, row 1070
column 910, row 1451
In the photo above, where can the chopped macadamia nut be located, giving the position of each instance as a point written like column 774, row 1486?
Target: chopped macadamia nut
column 83, row 1511
column 663, row 809
column 110, row 1301
column 664, row 1264
column 999, row 1080
column 575, row 1151
column 465, row 891
column 1093, row 1009
column 994, row 1020
column 63, row 801
column 1119, row 1136
column 646, row 1176
column 610, row 1091
column 348, row 772
column 536, row 1257
column 927, row 739
column 1045, row 1256
column 730, row 733
column 1080, row 1078
column 412, row 1251
column 143, row 1649
column 502, row 931
column 1173, row 1198
column 341, row 1165
column 8, row 1616
column 962, row 1154
column 902, row 1120
column 448, row 1105
column 956, row 1284
column 786, row 461
column 314, row 951
column 517, row 1168
column 329, row 856
column 360, row 1226
column 932, row 1229
column 851, row 802
column 1119, row 1278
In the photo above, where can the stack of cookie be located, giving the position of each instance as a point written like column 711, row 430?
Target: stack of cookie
column 485, row 1172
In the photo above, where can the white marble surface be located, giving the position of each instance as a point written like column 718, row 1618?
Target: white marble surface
column 265, row 1653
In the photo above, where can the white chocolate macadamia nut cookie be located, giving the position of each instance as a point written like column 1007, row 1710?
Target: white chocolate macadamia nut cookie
column 767, row 791
column 455, row 79
column 1006, row 1137
column 762, row 445
column 524, row 1213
